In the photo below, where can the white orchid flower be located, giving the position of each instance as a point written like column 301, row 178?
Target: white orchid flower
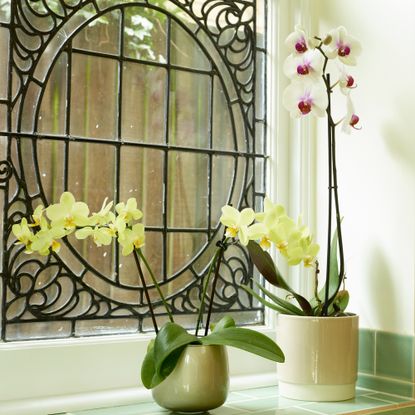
column 351, row 119
column 308, row 64
column 344, row 46
column 237, row 222
column 346, row 81
column 302, row 98
column 297, row 40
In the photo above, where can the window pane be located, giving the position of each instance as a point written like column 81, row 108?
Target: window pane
column 154, row 100
column 143, row 103
column 187, row 193
column 94, row 105
column 189, row 109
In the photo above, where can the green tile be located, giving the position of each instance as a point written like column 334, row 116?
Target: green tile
column 400, row 411
column 225, row 410
column 391, row 386
column 356, row 404
column 366, row 351
column 236, row 397
column 271, row 391
column 362, row 391
column 394, row 356
column 289, row 411
column 387, row 397
column 139, row 409
column 253, row 404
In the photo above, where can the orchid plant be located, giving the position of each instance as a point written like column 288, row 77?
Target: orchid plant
column 43, row 232
column 309, row 92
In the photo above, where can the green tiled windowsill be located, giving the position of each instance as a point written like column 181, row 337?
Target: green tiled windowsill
column 266, row 401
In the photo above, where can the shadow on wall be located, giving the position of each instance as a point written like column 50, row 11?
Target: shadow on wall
column 397, row 133
column 379, row 291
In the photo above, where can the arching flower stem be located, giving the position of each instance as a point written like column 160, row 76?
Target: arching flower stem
column 216, row 261
column 205, row 287
column 143, row 282
column 333, row 192
column 222, row 247
column 156, row 284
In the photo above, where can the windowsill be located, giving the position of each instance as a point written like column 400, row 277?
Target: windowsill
column 265, row 401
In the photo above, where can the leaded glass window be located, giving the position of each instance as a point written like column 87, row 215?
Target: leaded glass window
column 162, row 100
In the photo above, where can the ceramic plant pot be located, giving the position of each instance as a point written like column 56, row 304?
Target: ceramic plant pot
column 198, row 383
column 320, row 357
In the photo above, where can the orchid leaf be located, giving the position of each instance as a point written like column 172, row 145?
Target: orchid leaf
column 148, row 368
column 224, row 323
column 281, row 302
column 162, row 356
column 266, row 303
column 246, row 339
column 267, row 268
column 341, row 301
column 334, row 278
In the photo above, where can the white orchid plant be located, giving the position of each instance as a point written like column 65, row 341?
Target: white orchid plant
column 309, row 93
column 42, row 233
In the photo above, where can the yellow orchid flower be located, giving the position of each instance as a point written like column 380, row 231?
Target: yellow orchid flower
column 37, row 215
column 116, row 224
column 237, row 222
column 128, row 211
column 131, row 239
column 47, row 239
column 102, row 217
column 23, row 233
column 100, row 235
column 68, row 213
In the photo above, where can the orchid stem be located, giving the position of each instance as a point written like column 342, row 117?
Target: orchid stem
column 156, row 284
column 330, row 198
column 202, row 301
column 221, row 250
column 316, row 284
column 143, row 282
column 338, row 216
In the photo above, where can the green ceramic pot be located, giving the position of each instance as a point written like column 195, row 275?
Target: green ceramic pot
column 198, row 383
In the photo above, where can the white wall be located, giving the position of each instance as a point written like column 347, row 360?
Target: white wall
column 377, row 164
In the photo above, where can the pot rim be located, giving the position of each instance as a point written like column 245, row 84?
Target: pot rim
column 205, row 345
column 350, row 316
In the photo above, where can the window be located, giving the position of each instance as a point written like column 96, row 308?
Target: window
column 162, row 100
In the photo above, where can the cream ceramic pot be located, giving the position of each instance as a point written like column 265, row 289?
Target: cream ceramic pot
column 320, row 357
column 198, row 383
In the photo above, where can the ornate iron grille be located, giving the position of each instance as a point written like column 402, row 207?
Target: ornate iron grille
column 79, row 291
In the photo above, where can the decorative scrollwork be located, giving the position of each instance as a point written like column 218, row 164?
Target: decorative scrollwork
column 6, row 171
column 48, row 288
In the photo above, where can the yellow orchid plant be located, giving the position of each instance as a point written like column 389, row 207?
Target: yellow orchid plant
column 43, row 233
column 273, row 227
column 259, row 231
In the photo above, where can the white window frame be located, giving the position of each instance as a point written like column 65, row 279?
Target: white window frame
column 47, row 376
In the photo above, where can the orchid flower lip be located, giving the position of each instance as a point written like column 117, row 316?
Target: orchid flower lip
column 343, row 50
column 303, row 70
column 301, row 46
column 304, row 107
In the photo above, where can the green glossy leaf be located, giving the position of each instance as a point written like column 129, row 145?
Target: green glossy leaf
column 335, row 279
column 148, row 368
column 162, row 357
column 267, row 268
column 263, row 301
column 341, row 301
column 224, row 323
column 281, row 302
column 265, row 265
column 248, row 340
